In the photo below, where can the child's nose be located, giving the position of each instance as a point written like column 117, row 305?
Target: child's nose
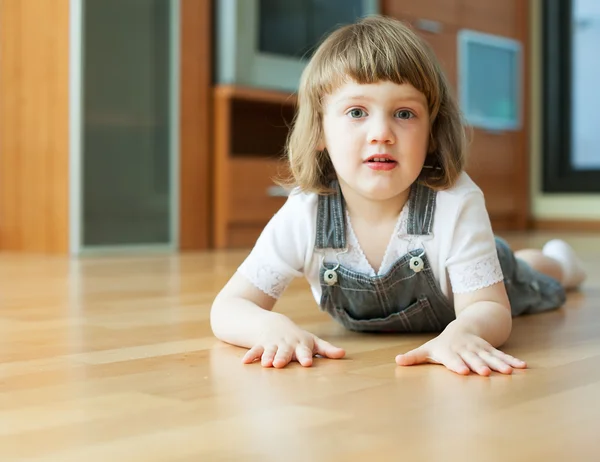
column 381, row 132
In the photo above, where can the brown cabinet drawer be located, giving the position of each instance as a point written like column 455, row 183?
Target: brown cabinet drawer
column 254, row 197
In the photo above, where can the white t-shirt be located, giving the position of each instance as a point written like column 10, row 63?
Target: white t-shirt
column 461, row 248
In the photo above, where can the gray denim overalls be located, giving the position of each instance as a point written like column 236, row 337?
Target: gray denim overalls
column 408, row 298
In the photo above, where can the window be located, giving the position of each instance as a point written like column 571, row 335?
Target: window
column 571, row 34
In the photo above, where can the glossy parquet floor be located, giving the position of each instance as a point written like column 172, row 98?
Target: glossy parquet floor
column 112, row 359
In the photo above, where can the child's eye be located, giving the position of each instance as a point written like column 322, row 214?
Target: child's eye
column 356, row 113
column 404, row 114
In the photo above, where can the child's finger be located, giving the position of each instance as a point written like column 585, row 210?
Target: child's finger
column 283, row 356
column 417, row 356
column 304, row 355
column 455, row 363
column 476, row 363
column 508, row 359
column 253, row 354
column 268, row 356
column 327, row 350
column 495, row 363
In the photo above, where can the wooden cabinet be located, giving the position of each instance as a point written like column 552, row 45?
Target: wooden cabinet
column 498, row 161
column 251, row 127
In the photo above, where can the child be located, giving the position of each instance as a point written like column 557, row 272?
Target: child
column 390, row 232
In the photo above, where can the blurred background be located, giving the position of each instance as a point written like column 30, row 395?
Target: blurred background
column 159, row 124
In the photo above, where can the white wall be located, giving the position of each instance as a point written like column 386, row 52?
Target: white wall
column 545, row 205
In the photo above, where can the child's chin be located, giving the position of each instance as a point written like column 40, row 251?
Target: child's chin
column 382, row 193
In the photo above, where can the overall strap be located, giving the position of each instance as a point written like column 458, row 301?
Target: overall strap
column 331, row 216
column 421, row 209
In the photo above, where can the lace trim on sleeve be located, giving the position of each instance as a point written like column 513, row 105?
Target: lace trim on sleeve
column 474, row 276
column 266, row 278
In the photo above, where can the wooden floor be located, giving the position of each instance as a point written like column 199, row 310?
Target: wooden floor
column 112, row 359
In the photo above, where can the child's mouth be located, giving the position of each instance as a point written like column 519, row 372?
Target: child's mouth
column 381, row 164
column 381, row 160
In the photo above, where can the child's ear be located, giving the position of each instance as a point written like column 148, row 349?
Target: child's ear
column 321, row 145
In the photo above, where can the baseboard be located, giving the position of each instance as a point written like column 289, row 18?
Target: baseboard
column 565, row 225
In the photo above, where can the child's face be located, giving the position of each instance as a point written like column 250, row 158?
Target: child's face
column 383, row 120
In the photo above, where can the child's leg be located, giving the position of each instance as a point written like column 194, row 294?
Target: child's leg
column 558, row 260
column 540, row 262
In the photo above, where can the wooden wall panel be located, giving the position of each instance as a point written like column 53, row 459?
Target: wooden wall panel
column 498, row 162
column 34, row 125
column 497, row 17
column 523, row 163
column 195, row 127
column 435, row 21
column 444, row 11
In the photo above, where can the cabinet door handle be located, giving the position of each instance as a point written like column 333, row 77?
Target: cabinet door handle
column 427, row 25
column 277, row 191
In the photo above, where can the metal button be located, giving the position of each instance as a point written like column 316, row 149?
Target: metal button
column 330, row 277
column 416, row 264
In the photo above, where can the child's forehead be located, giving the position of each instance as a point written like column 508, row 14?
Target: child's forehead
column 350, row 89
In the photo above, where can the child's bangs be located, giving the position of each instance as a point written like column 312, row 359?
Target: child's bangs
column 366, row 59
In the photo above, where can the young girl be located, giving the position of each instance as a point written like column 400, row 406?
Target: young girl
column 390, row 232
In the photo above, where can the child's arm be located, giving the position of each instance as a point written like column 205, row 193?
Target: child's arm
column 467, row 344
column 483, row 316
column 241, row 315
column 485, row 313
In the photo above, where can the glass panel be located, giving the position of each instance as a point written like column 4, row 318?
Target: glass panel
column 492, row 89
column 126, row 135
column 585, row 154
column 295, row 27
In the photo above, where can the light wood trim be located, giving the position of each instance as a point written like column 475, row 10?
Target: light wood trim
column 34, row 125
column 565, row 225
column 195, row 126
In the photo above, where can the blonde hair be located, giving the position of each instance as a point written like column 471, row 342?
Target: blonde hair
column 374, row 49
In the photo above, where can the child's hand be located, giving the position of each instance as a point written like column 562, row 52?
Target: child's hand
column 461, row 352
column 286, row 342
